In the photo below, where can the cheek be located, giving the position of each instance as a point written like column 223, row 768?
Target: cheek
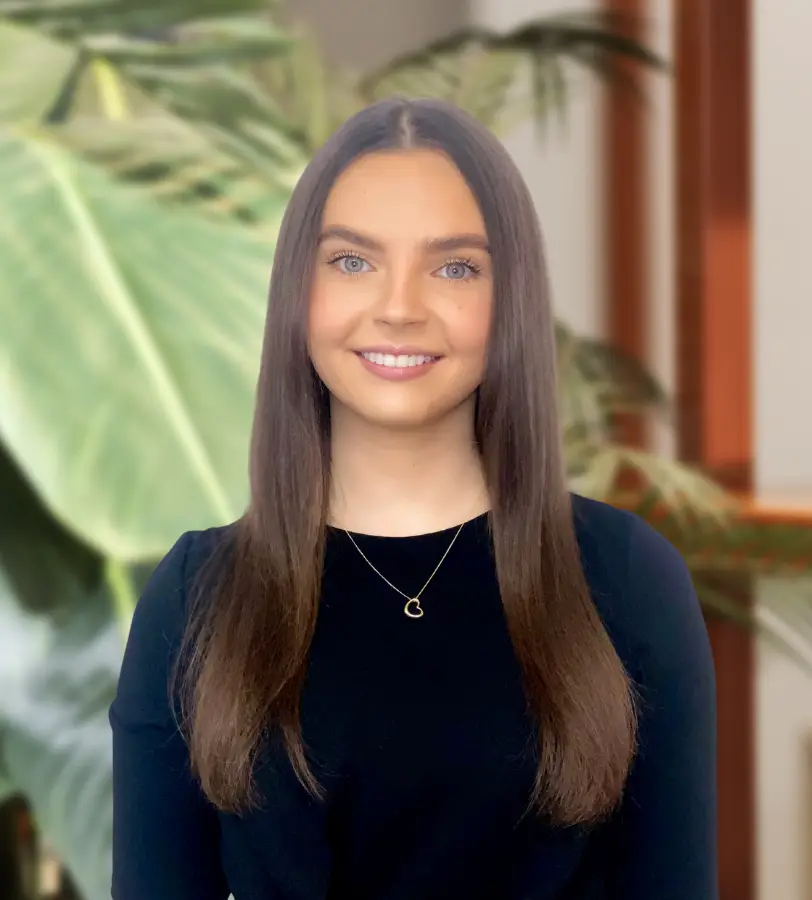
column 328, row 321
column 469, row 328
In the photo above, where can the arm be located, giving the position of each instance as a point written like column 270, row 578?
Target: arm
column 668, row 817
column 165, row 833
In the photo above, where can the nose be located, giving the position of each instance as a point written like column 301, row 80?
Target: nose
column 402, row 301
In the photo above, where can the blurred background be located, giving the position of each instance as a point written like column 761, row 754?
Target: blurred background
column 147, row 149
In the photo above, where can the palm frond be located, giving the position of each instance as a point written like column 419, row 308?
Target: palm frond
column 683, row 494
column 744, row 547
column 621, row 382
column 153, row 94
column 244, row 134
column 314, row 97
column 785, row 606
column 596, row 382
column 156, row 46
column 180, row 164
column 204, row 135
column 490, row 73
column 78, row 20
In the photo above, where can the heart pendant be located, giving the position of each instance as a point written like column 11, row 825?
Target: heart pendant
column 413, row 608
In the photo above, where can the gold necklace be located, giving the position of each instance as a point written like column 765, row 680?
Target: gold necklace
column 412, row 607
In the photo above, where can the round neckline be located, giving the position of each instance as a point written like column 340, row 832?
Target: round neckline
column 424, row 535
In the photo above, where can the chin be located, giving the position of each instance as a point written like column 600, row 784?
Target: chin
column 403, row 413
column 395, row 416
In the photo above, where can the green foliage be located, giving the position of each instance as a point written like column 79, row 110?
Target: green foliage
column 130, row 363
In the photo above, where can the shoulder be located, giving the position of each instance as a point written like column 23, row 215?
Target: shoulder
column 156, row 630
column 610, row 540
column 163, row 603
column 640, row 584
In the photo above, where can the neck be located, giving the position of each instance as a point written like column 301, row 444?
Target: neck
column 399, row 482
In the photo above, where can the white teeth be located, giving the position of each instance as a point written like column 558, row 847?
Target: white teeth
column 397, row 362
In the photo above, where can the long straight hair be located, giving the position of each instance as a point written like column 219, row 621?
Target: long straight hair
column 252, row 621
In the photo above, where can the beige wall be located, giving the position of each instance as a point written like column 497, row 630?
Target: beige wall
column 366, row 33
column 564, row 175
column 784, row 764
column 783, row 277
column 660, row 136
column 782, row 194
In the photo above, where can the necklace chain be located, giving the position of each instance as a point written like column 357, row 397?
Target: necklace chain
column 412, row 607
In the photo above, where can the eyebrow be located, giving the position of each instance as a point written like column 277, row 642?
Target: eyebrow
column 442, row 244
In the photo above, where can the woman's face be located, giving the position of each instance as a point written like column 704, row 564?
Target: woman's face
column 401, row 296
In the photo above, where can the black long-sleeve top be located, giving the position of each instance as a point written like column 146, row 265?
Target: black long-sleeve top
column 422, row 727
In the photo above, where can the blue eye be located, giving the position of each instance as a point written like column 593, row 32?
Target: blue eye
column 350, row 264
column 458, row 270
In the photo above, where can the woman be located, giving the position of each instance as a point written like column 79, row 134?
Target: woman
column 417, row 667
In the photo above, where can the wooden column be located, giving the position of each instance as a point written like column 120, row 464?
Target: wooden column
column 714, row 360
column 626, row 206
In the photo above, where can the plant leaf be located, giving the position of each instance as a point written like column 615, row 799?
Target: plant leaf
column 313, row 98
column 529, row 58
column 204, row 168
column 60, row 653
column 7, row 787
column 217, row 41
column 74, row 20
column 128, row 353
column 32, row 68
column 55, row 736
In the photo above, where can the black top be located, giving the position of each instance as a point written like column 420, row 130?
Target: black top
column 422, row 728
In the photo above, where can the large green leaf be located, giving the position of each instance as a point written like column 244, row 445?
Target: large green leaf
column 32, row 70
column 60, row 653
column 128, row 353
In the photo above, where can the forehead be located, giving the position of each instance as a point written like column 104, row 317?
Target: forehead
column 404, row 194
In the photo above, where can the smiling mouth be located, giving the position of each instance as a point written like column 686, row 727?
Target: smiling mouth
column 401, row 361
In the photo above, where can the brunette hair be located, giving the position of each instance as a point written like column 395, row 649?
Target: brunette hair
column 252, row 620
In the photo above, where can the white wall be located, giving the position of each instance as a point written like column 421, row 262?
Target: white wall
column 564, row 175
column 783, row 218
column 660, row 136
column 782, row 194
column 784, row 763
column 364, row 34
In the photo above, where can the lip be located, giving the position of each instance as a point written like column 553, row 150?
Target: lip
column 394, row 350
column 407, row 373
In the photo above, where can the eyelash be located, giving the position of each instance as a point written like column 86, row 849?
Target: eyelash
column 346, row 254
column 473, row 268
column 463, row 261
